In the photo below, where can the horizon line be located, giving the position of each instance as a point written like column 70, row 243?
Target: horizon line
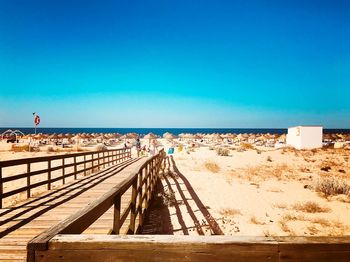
column 174, row 127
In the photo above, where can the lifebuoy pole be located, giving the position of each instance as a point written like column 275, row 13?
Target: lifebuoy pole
column 34, row 114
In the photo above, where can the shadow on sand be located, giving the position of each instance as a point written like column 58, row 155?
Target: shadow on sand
column 174, row 190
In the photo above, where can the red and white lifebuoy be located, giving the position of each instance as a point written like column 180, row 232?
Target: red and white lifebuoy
column 37, row 120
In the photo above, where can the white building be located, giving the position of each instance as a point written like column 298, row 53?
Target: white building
column 305, row 137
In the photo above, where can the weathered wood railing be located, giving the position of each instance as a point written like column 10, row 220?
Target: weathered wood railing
column 88, row 161
column 142, row 183
column 70, row 248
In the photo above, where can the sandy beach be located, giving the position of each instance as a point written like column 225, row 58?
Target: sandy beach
column 274, row 192
column 248, row 190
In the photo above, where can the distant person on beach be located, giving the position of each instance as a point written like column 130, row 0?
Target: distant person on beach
column 138, row 146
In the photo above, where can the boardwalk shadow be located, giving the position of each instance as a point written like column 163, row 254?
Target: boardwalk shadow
column 177, row 193
column 15, row 217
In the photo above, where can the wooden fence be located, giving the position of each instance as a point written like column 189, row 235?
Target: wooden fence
column 91, row 248
column 89, row 161
column 142, row 183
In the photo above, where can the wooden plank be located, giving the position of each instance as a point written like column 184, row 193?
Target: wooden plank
column 195, row 248
column 79, row 221
column 200, row 255
column 160, row 248
column 116, row 215
column 133, row 204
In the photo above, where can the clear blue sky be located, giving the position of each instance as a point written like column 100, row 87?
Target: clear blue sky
column 175, row 63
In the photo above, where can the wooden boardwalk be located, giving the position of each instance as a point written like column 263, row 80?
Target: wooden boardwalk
column 21, row 223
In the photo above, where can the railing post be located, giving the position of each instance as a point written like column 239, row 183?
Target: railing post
column 104, row 159
column 1, row 186
column 133, row 207
column 75, row 167
column 28, row 180
column 49, row 175
column 98, row 161
column 116, row 215
column 63, row 172
column 146, row 184
column 84, row 165
column 92, row 163
column 140, row 209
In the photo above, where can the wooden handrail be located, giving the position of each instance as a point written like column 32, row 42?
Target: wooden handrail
column 104, row 159
column 81, row 220
column 195, row 248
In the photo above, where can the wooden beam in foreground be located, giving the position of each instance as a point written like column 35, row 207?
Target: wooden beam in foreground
column 194, row 248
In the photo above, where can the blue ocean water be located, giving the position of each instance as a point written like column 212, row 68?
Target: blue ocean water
column 160, row 131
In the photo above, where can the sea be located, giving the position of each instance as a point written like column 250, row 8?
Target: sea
column 158, row 131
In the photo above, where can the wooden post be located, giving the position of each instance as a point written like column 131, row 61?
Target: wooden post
column 28, row 180
column 133, row 207
column 49, row 175
column 75, row 167
column 116, row 215
column 63, row 172
column 92, row 163
column 146, row 183
column 84, row 165
column 1, row 186
column 104, row 159
column 98, row 161
column 140, row 209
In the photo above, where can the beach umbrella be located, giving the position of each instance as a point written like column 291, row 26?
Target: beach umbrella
column 53, row 136
column 182, row 135
column 245, row 136
column 188, row 136
column 166, row 134
column 229, row 136
column 169, row 136
column 239, row 137
column 327, row 137
column 150, row 136
column 282, row 137
column 29, row 136
column 132, row 135
column 38, row 136
column 77, row 137
column 261, row 137
column 116, row 135
column 252, row 136
column 216, row 137
column 197, row 136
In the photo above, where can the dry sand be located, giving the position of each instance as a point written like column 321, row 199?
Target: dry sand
column 271, row 193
